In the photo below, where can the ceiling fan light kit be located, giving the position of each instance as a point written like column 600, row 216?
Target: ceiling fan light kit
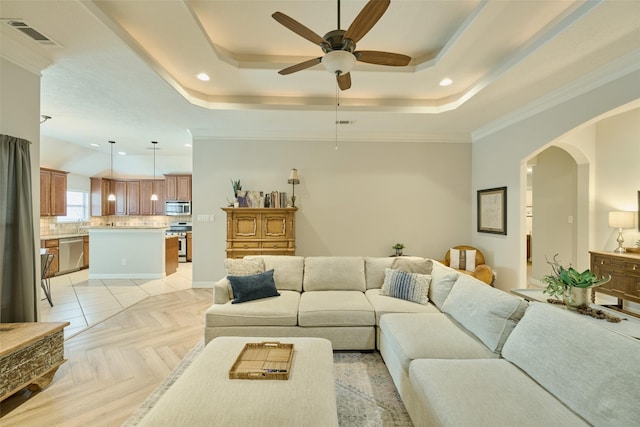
column 339, row 46
column 338, row 62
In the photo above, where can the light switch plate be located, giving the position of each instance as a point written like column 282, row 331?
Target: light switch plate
column 203, row 217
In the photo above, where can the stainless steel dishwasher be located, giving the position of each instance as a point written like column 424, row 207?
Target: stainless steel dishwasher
column 71, row 254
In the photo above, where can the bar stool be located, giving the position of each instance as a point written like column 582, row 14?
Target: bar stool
column 45, row 261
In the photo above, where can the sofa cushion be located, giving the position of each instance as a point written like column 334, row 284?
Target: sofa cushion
column 374, row 270
column 489, row 313
column 383, row 304
column 333, row 274
column 429, row 336
column 412, row 287
column 593, row 370
column 462, row 259
column 442, row 280
column 412, row 265
column 288, row 270
column 483, row 393
column 256, row 286
column 335, row 308
column 280, row 311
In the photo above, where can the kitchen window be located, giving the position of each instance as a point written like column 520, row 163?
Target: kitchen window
column 77, row 206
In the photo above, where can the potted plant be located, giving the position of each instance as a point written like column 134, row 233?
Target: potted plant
column 236, row 187
column 569, row 285
column 398, row 247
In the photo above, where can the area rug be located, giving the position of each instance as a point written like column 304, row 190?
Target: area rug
column 365, row 393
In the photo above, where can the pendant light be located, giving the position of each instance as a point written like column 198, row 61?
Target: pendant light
column 154, row 196
column 112, row 196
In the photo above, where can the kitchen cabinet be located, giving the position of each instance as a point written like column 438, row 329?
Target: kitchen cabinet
column 100, row 205
column 53, row 192
column 51, row 245
column 178, row 187
column 260, row 231
column 189, row 246
column 147, row 188
column 133, row 197
column 120, row 190
column 85, row 250
column 171, row 255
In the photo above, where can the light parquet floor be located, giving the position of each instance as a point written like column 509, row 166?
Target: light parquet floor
column 114, row 365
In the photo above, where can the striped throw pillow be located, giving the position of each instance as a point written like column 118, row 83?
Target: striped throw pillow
column 462, row 259
column 408, row 286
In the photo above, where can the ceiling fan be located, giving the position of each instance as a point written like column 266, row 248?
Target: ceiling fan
column 339, row 46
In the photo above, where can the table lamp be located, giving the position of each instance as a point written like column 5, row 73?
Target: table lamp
column 293, row 180
column 620, row 220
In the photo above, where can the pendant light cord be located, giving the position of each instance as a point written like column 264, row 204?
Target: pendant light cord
column 337, row 104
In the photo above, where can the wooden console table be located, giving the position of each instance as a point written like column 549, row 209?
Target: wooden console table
column 625, row 276
column 30, row 354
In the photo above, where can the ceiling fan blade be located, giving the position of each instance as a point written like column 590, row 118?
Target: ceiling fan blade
column 301, row 66
column 344, row 81
column 382, row 58
column 366, row 19
column 298, row 28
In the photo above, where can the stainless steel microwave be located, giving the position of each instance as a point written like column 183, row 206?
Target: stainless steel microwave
column 173, row 207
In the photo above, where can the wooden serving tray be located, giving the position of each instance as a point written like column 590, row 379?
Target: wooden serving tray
column 263, row 361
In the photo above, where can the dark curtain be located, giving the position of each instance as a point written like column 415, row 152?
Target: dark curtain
column 19, row 291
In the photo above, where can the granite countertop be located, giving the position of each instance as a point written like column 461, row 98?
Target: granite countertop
column 64, row 236
column 127, row 227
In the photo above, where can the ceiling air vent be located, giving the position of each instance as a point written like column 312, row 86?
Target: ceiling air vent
column 32, row 33
column 344, row 122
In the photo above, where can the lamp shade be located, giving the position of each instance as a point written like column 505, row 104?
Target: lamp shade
column 338, row 61
column 293, row 177
column 621, row 219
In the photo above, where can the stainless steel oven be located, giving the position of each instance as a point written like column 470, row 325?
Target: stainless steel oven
column 180, row 229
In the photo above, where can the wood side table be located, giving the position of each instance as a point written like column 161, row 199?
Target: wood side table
column 30, row 354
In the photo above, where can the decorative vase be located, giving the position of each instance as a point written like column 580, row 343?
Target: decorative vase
column 578, row 297
column 398, row 252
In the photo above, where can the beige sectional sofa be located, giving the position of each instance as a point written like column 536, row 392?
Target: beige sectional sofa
column 473, row 355
column 337, row 298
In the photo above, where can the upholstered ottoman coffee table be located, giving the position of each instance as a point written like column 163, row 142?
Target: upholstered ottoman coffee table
column 205, row 396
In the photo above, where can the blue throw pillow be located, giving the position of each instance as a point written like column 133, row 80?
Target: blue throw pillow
column 408, row 286
column 257, row 286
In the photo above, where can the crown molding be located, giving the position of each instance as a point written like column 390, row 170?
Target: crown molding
column 605, row 74
column 21, row 55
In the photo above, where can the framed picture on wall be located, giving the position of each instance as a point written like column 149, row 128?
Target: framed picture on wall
column 492, row 210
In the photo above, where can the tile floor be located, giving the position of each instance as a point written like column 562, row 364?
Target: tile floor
column 83, row 302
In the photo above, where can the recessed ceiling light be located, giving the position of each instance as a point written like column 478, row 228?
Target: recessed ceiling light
column 187, row 145
column 95, row 145
column 122, row 153
column 203, row 76
column 446, row 82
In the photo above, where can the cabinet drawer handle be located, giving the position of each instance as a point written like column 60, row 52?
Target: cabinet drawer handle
column 635, row 267
column 276, row 247
column 601, row 261
column 246, row 246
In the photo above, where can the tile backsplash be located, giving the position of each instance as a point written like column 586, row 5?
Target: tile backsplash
column 50, row 227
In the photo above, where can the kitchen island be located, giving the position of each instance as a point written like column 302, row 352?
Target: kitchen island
column 133, row 252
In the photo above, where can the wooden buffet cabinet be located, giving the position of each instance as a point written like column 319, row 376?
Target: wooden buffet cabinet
column 625, row 275
column 260, row 231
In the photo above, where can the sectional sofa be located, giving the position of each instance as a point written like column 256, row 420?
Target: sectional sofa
column 471, row 355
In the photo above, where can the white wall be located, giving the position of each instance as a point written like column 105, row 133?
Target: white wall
column 499, row 159
column 618, row 176
column 358, row 200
